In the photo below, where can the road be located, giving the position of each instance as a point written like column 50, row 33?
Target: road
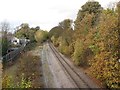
column 56, row 76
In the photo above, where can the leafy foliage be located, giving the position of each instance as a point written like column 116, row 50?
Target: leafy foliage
column 41, row 36
column 61, row 36
column 94, row 42
column 78, row 52
column 108, row 46
column 66, row 24
column 24, row 31
column 7, row 82
column 89, row 8
column 55, row 31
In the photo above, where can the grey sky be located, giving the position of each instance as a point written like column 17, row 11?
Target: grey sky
column 43, row 13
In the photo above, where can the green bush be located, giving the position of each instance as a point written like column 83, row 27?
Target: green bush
column 77, row 55
column 55, row 41
column 71, row 49
column 8, row 82
column 63, row 46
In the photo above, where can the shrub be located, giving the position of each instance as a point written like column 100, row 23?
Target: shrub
column 8, row 82
column 77, row 55
column 55, row 41
column 63, row 46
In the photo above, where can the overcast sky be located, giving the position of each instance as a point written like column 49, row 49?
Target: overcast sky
column 43, row 13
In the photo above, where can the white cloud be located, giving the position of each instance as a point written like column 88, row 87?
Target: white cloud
column 45, row 13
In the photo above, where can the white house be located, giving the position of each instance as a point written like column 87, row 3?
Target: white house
column 15, row 41
column 21, row 41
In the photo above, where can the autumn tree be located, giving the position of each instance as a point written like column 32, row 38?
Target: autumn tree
column 61, row 36
column 90, row 7
column 66, row 24
column 106, row 40
column 56, row 31
column 87, row 18
column 24, row 31
column 65, row 40
column 41, row 36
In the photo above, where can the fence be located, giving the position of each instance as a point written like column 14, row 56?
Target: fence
column 13, row 54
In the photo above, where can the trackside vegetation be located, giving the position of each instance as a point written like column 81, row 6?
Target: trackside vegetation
column 94, row 41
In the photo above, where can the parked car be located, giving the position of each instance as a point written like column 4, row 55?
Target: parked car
column 11, row 49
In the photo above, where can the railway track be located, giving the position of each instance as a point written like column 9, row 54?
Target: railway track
column 76, row 78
